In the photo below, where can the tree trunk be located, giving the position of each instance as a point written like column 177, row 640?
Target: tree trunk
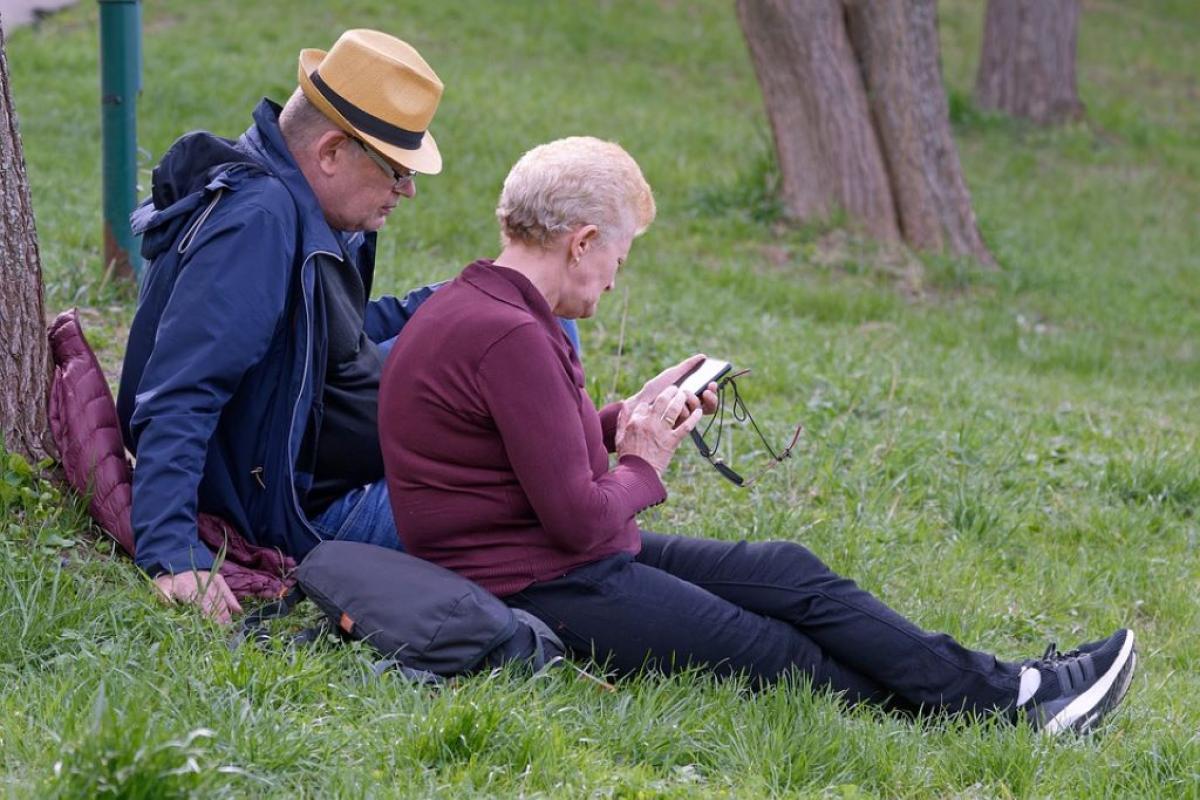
column 24, row 351
column 1027, row 67
column 897, row 46
column 829, row 155
column 853, row 91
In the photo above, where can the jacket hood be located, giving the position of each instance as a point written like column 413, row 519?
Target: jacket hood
column 200, row 161
column 189, row 164
column 196, row 161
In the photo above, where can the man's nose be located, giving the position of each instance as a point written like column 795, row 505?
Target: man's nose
column 407, row 189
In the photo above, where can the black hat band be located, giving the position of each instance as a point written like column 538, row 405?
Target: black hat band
column 365, row 122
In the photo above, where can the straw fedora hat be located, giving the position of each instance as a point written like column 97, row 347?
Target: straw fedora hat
column 379, row 89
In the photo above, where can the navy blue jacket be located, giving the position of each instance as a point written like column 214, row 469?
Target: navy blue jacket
column 227, row 350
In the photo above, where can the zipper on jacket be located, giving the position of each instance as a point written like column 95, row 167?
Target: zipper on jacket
column 257, row 472
column 308, row 335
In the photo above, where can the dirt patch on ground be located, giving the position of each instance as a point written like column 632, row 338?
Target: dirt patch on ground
column 839, row 250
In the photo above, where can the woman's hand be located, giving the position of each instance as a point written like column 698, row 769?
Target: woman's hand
column 707, row 401
column 652, row 431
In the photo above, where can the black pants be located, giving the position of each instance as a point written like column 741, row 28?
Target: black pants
column 764, row 610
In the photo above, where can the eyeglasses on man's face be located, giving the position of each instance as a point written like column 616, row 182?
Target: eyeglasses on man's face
column 741, row 414
column 400, row 176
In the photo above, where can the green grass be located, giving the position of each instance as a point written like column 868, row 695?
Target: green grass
column 1010, row 457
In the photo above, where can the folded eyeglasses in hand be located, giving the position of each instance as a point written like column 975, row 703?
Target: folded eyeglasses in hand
column 722, row 373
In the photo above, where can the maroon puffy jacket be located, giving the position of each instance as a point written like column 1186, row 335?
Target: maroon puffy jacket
column 83, row 421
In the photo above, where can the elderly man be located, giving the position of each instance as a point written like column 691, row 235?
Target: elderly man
column 251, row 377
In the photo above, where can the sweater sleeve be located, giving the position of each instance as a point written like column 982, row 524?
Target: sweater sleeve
column 608, row 423
column 535, row 406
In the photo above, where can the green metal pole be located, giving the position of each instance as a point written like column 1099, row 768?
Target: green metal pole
column 120, row 82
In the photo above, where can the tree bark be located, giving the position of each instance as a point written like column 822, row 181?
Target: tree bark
column 24, row 352
column 829, row 155
column 897, row 45
column 1027, row 66
column 853, row 91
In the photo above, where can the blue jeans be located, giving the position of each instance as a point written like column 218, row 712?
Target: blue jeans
column 363, row 514
column 360, row 515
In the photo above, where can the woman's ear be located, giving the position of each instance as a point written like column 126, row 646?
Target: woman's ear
column 583, row 238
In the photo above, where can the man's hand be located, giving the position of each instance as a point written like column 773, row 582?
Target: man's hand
column 202, row 588
column 669, row 377
column 653, row 432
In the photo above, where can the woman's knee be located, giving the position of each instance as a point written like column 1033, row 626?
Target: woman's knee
column 791, row 556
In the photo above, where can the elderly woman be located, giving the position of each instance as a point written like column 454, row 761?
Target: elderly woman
column 498, row 468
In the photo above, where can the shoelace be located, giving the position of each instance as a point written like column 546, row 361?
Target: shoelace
column 1052, row 656
column 1071, row 669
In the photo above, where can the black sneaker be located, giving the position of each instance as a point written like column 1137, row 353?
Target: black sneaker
column 1079, row 688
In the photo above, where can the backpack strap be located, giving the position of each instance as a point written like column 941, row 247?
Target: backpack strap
column 548, row 648
column 254, row 626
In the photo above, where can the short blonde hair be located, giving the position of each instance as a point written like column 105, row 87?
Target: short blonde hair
column 556, row 187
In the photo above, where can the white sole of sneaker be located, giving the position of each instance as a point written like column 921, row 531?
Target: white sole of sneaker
column 1083, row 712
column 1113, row 699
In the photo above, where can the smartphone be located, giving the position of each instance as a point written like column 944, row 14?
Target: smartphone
column 710, row 370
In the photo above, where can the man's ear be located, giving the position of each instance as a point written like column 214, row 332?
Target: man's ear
column 329, row 150
column 583, row 238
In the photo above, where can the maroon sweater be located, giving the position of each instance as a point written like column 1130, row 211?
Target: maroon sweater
column 496, row 458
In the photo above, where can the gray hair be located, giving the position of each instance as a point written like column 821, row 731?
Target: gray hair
column 302, row 123
column 556, row 187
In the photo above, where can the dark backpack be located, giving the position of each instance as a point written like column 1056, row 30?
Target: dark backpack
column 424, row 620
